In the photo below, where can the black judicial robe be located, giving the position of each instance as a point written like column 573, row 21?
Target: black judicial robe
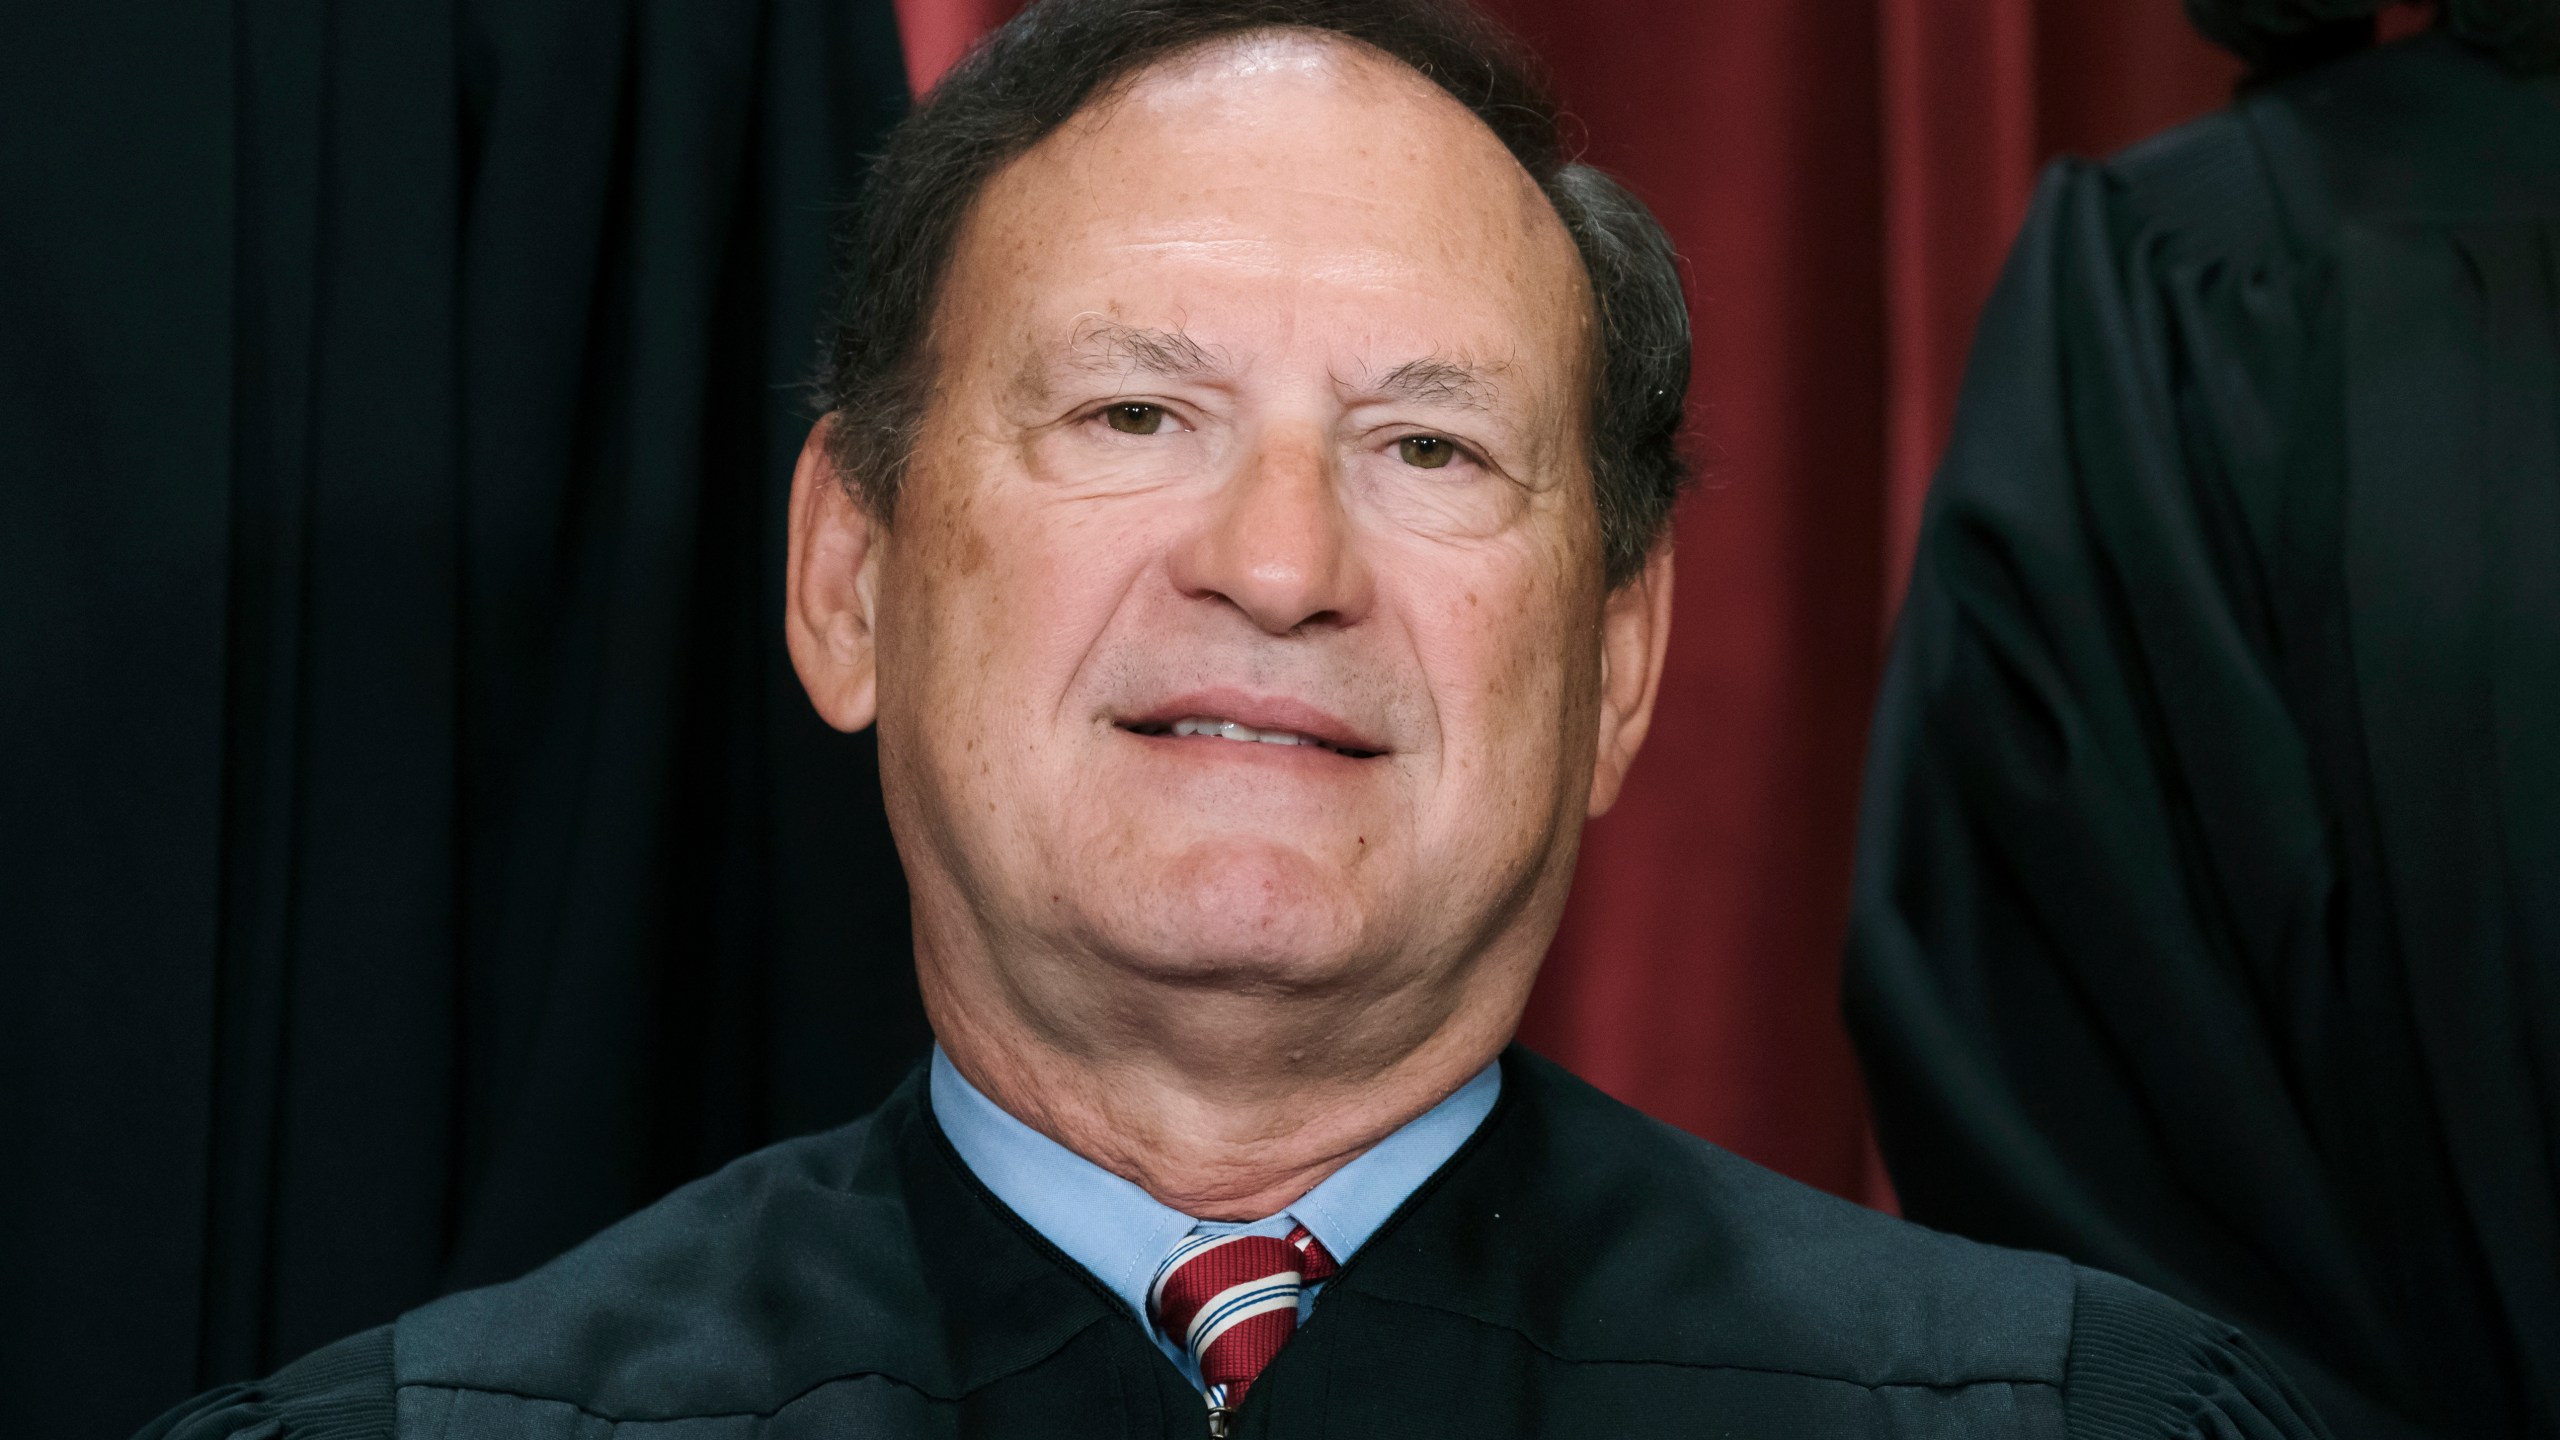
column 2207, row 921
column 1575, row 1269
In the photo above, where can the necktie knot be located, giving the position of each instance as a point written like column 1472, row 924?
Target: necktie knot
column 1232, row 1301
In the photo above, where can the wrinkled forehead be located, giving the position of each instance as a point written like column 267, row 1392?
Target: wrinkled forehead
column 1306, row 165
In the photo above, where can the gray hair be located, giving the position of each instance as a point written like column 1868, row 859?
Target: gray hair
column 1026, row 79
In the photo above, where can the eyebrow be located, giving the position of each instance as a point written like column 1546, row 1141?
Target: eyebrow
column 1107, row 345
column 1435, row 381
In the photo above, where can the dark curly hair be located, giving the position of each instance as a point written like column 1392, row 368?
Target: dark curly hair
column 2279, row 36
column 1027, row 78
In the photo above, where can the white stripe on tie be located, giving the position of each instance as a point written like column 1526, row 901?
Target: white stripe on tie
column 1191, row 1245
column 1236, row 1304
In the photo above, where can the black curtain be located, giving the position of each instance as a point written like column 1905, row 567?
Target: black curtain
column 416, row 851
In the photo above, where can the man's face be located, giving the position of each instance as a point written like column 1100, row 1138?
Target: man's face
column 1241, row 621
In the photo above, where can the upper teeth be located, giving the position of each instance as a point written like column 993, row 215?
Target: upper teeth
column 1230, row 730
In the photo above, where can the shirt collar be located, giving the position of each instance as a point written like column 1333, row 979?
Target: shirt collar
column 1119, row 1232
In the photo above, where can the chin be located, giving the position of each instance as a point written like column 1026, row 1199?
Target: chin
column 1244, row 911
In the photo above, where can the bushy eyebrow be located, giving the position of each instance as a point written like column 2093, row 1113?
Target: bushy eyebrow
column 1435, row 381
column 1101, row 346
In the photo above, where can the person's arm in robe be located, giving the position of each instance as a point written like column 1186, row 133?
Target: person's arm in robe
column 2051, row 960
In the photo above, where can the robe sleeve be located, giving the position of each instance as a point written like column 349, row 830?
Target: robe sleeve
column 339, row 1392
column 2203, row 926
column 2144, row 1367
column 2095, row 887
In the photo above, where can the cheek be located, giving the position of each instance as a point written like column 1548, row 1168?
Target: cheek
column 999, row 598
column 980, row 607
column 934, row 599
column 1512, row 662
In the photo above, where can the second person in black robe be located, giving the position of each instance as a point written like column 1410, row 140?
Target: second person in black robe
column 2208, row 902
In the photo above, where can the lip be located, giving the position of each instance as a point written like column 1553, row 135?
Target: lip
column 1262, row 712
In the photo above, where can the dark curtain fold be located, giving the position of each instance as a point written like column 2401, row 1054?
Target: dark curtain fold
column 417, row 850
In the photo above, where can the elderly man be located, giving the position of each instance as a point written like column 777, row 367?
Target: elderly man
column 1241, row 510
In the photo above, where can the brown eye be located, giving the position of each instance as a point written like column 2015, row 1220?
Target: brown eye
column 1135, row 419
column 1425, row 452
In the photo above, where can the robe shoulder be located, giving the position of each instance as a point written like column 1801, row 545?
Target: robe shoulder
column 1650, row 1246
column 859, row 1255
column 687, row 1306
column 806, row 1264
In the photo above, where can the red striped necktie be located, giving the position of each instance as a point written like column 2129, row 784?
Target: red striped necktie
column 1232, row 1301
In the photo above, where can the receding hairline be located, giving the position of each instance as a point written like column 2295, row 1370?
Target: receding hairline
column 1186, row 61
column 1333, row 46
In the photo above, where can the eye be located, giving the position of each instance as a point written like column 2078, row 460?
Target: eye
column 1135, row 418
column 1426, row 452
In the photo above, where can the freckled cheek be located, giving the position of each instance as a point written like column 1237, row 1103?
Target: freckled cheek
column 1501, row 653
column 1005, row 639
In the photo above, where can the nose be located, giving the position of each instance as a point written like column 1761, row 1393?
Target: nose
column 1277, row 543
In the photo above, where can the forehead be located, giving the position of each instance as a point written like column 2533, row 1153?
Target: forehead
column 1297, row 178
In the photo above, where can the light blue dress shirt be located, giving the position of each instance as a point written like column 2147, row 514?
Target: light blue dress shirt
column 1120, row 1233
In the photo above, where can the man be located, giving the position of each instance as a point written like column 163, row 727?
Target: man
column 1241, row 511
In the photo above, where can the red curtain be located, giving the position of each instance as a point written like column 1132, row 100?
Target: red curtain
column 1843, row 177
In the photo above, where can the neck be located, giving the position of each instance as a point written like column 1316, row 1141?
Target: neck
column 1211, row 1124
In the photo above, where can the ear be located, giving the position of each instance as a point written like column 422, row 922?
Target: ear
column 828, row 588
column 1635, row 632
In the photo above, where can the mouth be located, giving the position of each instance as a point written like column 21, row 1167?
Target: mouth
column 1259, row 723
column 1213, row 726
